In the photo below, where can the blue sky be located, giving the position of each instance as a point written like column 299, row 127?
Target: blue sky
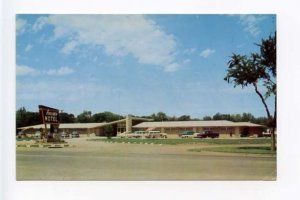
column 136, row 64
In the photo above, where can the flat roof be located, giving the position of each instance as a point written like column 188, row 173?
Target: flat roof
column 248, row 124
column 67, row 125
column 83, row 125
column 210, row 123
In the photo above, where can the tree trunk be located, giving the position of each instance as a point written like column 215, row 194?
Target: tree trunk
column 273, row 139
column 274, row 125
column 263, row 101
column 272, row 121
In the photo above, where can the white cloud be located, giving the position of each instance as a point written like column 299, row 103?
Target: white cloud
column 172, row 67
column 186, row 61
column 20, row 26
column 207, row 52
column 23, row 70
column 28, row 47
column 190, row 51
column 39, row 23
column 69, row 47
column 120, row 35
column 60, row 72
column 250, row 23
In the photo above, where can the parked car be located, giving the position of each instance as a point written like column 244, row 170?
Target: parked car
column 187, row 134
column 21, row 134
column 138, row 134
column 207, row 134
column 156, row 134
column 64, row 134
column 266, row 133
column 75, row 134
column 125, row 135
column 38, row 135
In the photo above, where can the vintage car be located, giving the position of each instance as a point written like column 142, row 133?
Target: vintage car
column 187, row 134
column 156, row 134
column 207, row 134
column 125, row 135
column 138, row 134
column 38, row 135
column 75, row 134
column 64, row 134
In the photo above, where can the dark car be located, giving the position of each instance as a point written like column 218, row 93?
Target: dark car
column 207, row 134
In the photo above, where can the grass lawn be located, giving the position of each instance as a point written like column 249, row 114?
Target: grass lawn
column 189, row 141
column 245, row 149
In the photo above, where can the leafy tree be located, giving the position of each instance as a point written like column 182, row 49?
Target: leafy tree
column 220, row 116
column 106, row 117
column 20, row 117
column 207, row 118
column 174, row 118
column 108, row 131
column 84, row 117
column 247, row 117
column 237, row 118
column 217, row 116
column 184, row 118
column 160, row 116
column 25, row 118
column 261, row 120
column 66, row 118
column 255, row 69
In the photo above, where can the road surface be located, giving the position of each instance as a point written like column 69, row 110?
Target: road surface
column 106, row 161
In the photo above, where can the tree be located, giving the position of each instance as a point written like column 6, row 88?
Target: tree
column 247, row 117
column 236, row 118
column 258, row 68
column 25, row 118
column 108, row 131
column 217, row 116
column 207, row 118
column 174, row 118
column 220, row 116
column 160, row 116
column 66, row 118
column 184, row 118
column 84, row 117
column 20, row 117
column 106, row 117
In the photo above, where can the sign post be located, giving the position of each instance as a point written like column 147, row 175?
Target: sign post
column 49, row 116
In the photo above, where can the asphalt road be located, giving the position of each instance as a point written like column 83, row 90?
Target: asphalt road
column 104, row 161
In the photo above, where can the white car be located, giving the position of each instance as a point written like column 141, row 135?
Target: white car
column 156, row 134
column 38, row 135
column 125, row 135
column 64, row 135
column 138, row 134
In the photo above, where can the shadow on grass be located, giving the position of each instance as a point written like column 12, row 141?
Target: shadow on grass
column 255, row 148
column 245, row 150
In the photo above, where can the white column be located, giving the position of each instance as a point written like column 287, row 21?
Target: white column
column 128, row 124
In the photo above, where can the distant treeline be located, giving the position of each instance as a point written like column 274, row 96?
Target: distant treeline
column 26, row 118
column 245, row 117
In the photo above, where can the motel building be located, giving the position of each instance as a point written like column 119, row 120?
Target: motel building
column 226, row 129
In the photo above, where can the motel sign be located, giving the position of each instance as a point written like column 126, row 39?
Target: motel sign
column 49, row 115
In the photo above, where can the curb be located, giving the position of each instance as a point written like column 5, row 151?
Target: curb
column 111, row 142
column 45, row 145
